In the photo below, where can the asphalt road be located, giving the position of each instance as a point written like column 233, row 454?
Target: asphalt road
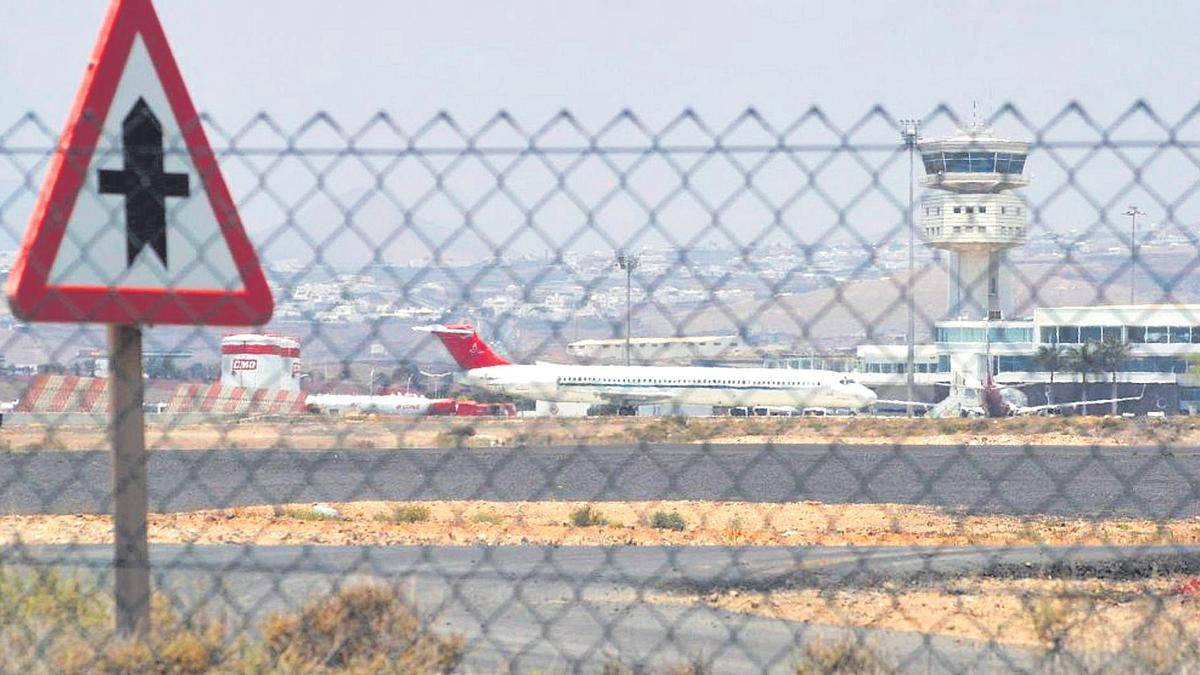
column 555, row 609
column 1066, row 481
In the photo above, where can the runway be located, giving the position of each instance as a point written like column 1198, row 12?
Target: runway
column 1057, row 480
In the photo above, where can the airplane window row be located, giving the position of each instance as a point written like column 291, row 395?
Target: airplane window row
column 616, row 380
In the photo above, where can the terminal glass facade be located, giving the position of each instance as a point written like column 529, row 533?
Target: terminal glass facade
column 1160, row 335
column 1144, row 364
column 973, row 162
column 899, row 367
column 834, row 363
column 981, row 334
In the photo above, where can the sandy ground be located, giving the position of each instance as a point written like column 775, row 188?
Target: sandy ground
column 314, row 432
column 624, row 523
column 1081, row 615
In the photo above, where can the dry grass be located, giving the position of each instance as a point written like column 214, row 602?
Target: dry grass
column 817, row 657
column 303, row 513
column 315, row 432
column 609, row 523
column 1150, row 617
column 55, row 624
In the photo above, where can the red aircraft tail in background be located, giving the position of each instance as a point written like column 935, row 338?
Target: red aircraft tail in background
column 465, row 345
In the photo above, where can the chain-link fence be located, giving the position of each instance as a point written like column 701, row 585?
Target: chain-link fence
column 626, row 395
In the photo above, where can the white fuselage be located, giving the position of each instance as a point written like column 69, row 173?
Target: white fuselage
column 389, row 404
column 635, row 385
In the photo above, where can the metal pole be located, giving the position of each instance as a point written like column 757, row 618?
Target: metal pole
column 628, row 307
column 1133, row 213
column 909, row 134
column 627, row 262
column 131, row 551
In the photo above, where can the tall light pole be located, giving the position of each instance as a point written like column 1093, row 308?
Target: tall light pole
column 1133, row 213
column 909, row 130
column 629, row 263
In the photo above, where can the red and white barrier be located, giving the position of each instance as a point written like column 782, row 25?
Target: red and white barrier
column 64, row 393
column 224, row 400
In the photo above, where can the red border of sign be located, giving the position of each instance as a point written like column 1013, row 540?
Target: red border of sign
column 28, row 293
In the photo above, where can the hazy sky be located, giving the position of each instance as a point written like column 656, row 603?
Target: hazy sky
column 294, row 57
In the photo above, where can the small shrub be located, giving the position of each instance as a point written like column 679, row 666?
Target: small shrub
column 308, row 513
column 405, row 513
column 456, row 436
column 359, row 629
column 846, row 657
column 487, row 518
column 735, row 523
column 50, row 596
column 663, row 520
column 364, row 628
column 588, row 516
column 1051, row 619
column 462, row 431
column 947, row 426
column 364, row 444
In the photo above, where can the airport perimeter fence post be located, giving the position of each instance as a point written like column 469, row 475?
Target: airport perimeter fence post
column 131, row 551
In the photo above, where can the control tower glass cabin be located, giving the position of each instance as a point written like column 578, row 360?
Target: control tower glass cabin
column 971, row 213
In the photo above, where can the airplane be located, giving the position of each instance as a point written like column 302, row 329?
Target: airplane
column 627, row 387
column 990, row 399
column 386, row 404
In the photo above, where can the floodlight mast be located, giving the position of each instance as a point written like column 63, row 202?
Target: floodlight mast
column 629, row 263
column 1133, row 213
column 909, row 134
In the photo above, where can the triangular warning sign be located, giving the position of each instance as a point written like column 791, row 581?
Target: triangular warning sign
column 134, row 223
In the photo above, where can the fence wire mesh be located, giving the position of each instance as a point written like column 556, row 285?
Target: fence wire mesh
column 707, row 465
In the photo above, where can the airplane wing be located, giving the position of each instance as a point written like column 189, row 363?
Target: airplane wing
column 1034, row 409
column 915, row 404
column 634, row 399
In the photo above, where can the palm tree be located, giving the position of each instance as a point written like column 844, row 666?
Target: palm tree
column 1085, row 360
column 1113, row 354
column 1050, row 357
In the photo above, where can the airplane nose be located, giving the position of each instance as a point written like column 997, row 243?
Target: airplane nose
column 867, row 396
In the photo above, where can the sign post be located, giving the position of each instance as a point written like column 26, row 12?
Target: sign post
column 156, row 240
column 131, row 550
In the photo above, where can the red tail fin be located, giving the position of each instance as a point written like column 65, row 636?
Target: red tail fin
column 465, row 345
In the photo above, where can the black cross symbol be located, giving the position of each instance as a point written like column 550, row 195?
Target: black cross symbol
column 144, row 184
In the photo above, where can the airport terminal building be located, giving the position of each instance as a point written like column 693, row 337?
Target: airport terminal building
column 1164, row 355
column 972, row 213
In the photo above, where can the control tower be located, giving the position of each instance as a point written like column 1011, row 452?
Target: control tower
column 971, row 213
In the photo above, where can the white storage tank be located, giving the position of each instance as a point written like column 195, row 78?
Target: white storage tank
column 260, row 361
